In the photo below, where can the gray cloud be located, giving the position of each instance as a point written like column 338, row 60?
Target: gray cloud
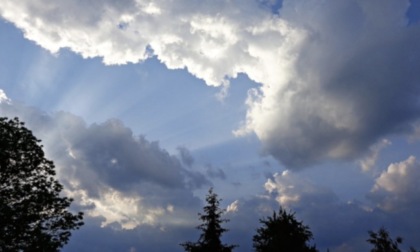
column 186, row 156
column 213, row 172
column 127, row 180
column 354, row 81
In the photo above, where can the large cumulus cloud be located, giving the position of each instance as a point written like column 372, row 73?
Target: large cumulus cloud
column 336, row 76
column 124, row 180
column 354, row 80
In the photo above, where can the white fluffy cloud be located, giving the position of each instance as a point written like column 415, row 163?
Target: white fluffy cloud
column 233, row 207
column 336, row 76
column 397, row 187
column 204, row 37
column 291, row 191
column 3, row 97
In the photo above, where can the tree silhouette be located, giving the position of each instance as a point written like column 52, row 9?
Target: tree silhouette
column 282, row 232
column 33, row 217
column 211, row 228
column 382, row 242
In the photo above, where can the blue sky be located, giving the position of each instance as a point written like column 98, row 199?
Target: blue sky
column 144, row 105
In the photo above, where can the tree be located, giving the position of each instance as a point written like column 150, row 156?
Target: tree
column 382, row 242
column 282, row 232
column 211, row 228
column 33, row 216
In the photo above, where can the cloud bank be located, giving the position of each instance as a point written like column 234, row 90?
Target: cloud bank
column 336, row 77
column 124, row 180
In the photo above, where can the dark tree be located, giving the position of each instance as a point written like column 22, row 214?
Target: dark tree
column 211, row 228
column 382, row 242
column 282, row 232
column 33, row 216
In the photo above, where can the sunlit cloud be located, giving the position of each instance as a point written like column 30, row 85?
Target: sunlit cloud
column 396, row 188
column 123, row 84
column 312, row 104
column 369, row 162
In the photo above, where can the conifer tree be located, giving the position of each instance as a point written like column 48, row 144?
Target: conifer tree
column 211, row 228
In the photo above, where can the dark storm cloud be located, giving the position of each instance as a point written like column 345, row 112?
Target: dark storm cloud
column 356, row 81
column 110, row 172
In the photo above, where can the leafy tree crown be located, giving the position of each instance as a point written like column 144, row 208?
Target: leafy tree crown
column 382, row 242
column 282, row 232
column 33, row 215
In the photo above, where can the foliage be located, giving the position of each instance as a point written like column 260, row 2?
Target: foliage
column 211, row 228
column 33, row 216
column 382, row 242
column 282, row 232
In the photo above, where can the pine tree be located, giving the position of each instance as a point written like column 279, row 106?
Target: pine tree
column 211, row 228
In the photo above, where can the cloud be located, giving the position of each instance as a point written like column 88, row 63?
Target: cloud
column 3, row 97
column 233, row 207
column 336, row 77
column 415, row 136
column 126, row 180
column 346, row 90
column 199, row 36
column 339, row 225
column 291, row 191
column 215, row 172
column 334, row 223
column 186, row 156
column 369, row 161
column 343, row 226
column 396, row 189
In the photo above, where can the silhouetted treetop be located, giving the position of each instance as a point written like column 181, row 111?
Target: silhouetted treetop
column 382, row 242
column 211, row 228
column 282, row 232
column 33, row 216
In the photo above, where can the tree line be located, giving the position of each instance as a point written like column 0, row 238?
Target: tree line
column 277, row 233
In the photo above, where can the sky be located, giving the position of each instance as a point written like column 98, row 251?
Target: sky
column 144, row 105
